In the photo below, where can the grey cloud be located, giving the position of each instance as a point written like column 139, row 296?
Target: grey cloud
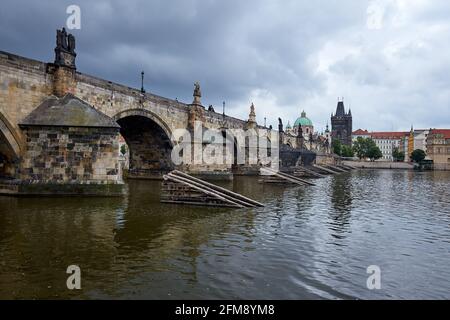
column 236, row 48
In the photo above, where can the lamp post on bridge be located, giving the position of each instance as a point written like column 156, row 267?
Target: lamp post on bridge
column 142, row 82
column 223, row 116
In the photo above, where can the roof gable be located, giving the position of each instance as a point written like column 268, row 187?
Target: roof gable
column 361, row 132
column 389, row 135
column 68, row 111
column 444, row 132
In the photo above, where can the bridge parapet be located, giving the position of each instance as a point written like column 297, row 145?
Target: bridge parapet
column 39, row 153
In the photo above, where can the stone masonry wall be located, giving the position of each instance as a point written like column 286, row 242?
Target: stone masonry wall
column 71, row 155
column 114, row 99
column 25, row 83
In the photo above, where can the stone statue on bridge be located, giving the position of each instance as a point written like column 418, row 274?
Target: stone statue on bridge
column 280, row 125
column 71, row 43
column 61, row 39
column 197, row 94
column 252, row 115
column 65, row 41
column 65, row 49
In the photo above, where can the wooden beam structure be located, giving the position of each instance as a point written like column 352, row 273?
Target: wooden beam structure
column 335, row 168
column 308, row 171
column 282, row 177
column 323, row 169
column 181, row 188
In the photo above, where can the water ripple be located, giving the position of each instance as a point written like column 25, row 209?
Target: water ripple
column 307, row 242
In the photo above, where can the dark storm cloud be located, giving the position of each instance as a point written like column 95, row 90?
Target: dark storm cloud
column 283, row 55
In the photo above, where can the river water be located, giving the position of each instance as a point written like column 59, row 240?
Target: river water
column 311, row 242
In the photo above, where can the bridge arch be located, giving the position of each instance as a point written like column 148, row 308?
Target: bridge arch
column 10, row 148
column 147, row 114
column 149, row 142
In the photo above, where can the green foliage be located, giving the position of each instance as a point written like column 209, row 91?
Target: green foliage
column 123, row 149
column 418, row 155
column 374, row 152
column 341, row 149
column 336, row 146
column 360, row 147
column 347, row 151
column 398, row 155
column 366, row 148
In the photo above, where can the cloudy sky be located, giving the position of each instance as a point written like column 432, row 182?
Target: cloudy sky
column 389, row 59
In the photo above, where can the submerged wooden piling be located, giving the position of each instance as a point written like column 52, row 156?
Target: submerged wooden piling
column 323, row 169
column 344, row 167
column 335, row 168
column 281, row 177
column 348, row 167
column 181, row 188
column 308, row 171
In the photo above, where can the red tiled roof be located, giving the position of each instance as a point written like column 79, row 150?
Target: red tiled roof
column 360, row 132
column 389, row 135
column 444, row 132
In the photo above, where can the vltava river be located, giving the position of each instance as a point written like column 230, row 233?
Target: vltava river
column 308, row 242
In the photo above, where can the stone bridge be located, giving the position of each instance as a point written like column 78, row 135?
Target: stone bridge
column 53, row 129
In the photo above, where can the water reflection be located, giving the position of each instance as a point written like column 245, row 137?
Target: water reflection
column 308, row 242
column 341, row 199
column 37, row 245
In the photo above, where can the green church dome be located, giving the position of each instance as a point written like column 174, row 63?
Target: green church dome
column 303, row 121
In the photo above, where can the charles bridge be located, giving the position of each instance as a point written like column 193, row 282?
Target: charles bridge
column 59, row 128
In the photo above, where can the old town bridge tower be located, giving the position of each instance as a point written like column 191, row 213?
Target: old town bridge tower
column 341, row 125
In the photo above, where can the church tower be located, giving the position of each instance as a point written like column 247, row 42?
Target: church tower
column 341, row 125
column 410, row 143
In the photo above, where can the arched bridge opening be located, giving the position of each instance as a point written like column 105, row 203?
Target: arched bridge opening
column 148, row 143
column 9, row 150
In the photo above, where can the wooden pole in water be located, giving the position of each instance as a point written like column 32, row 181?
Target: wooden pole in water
column 200, row 185
column 348, row 167
column 213, row 186
column 312, row 172
column 335, row 168
column 213, row 194
column 296, row 178
column 287, row 177
column 324, row 169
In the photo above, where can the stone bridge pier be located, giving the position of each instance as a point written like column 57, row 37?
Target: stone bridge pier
column 60, row 129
